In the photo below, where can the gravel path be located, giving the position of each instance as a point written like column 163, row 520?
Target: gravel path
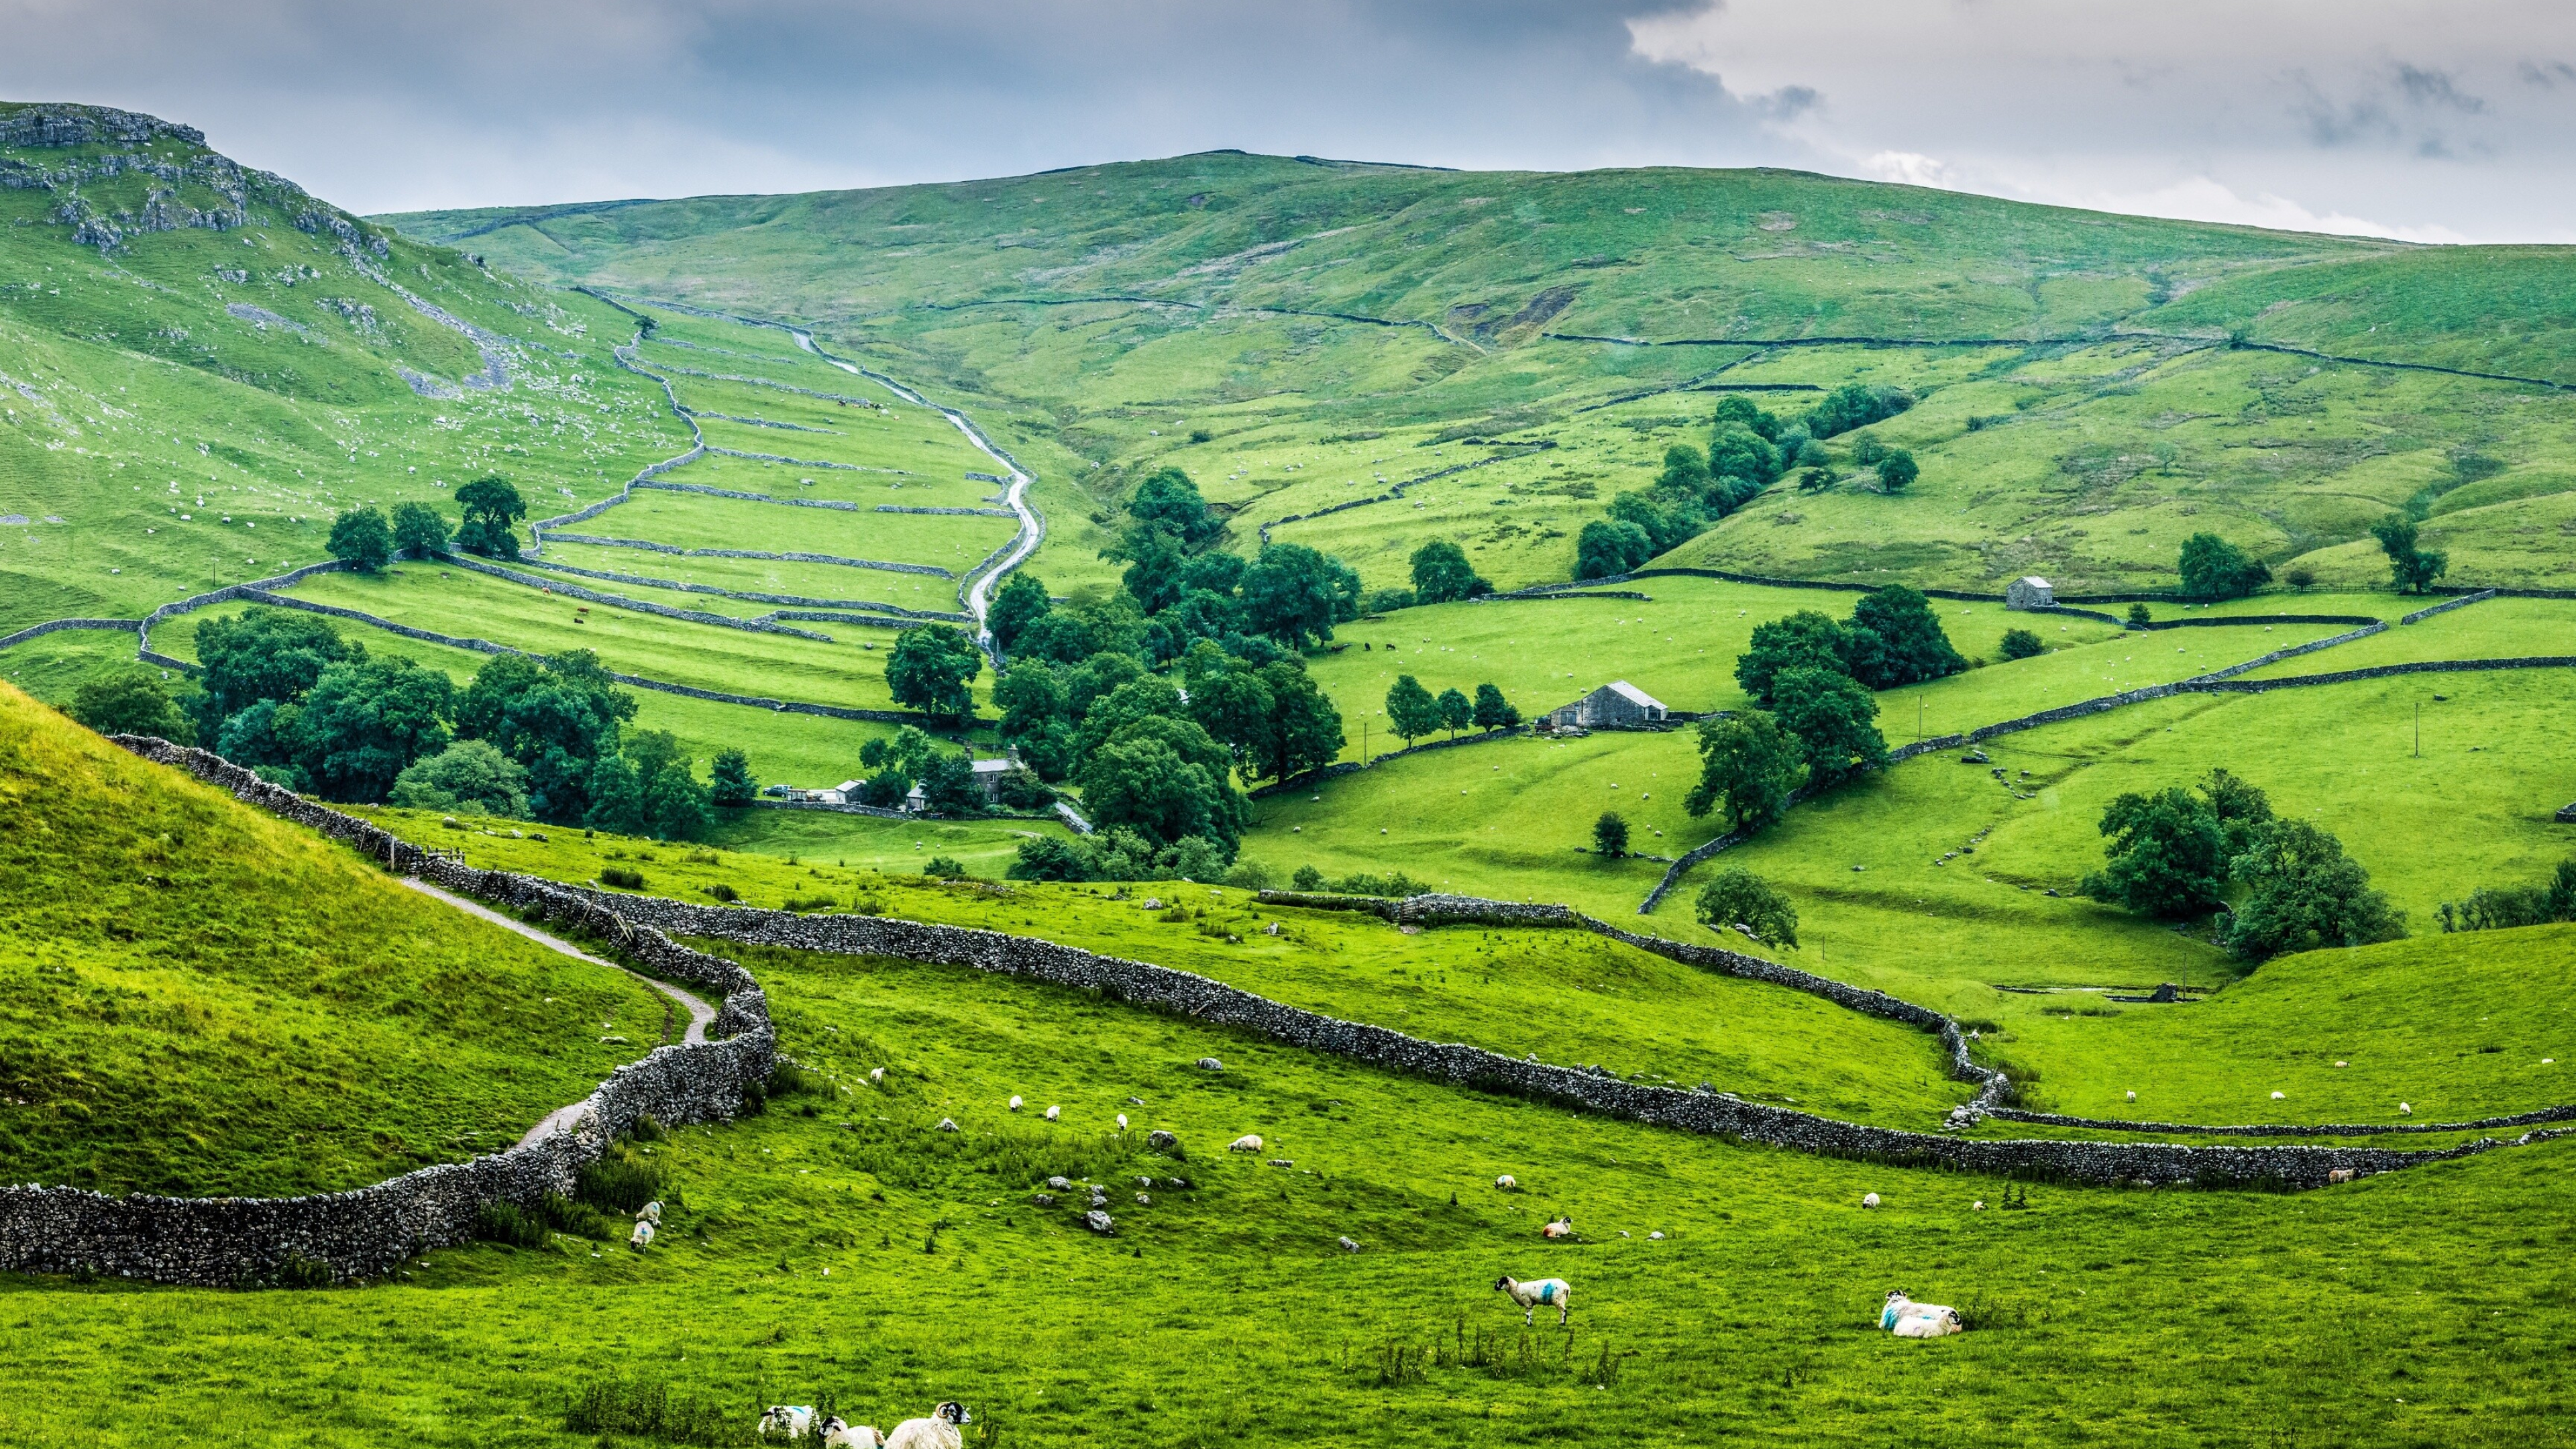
column 563, row 1118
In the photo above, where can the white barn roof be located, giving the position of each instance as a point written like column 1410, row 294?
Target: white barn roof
column 1633, row 694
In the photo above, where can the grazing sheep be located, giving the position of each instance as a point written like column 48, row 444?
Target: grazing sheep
column 939, row 1431
column 1248, row 1142
column 1210, row 1064
column 2405, row 1111
column 2133, row 1096
column 1507, row 1183
column 2280, row 1096
column 2340, row 1174
column 947, row 1124
column 839, row 1433
column 1122, row 1121
column 786, row 1421
column 1561, row 1227
column 642, row 1237
column 1015, row 1101
column 1869, row 1200
column 878, row 1075
column 1053, row 1113
column 650, row 1212
column 1542, row 1292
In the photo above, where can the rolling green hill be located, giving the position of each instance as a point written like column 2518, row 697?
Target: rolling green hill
column 198, row 999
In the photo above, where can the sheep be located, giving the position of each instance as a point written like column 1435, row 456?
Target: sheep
column 1541, row 1292
column 1248, row 1142
column 786, row 1421
column 1560, row 1227
column 877, row 1075
column 1348, row 1246
column 939, row 1431
column 2280, row 1096
column 650, row 1212
column 2133, row 1096
column 1869, row 1199
column 1906, row 1318
column 839, row 1433
column 642, row 1237
column 1507, row 1183
column 2405, row 1111
column 1052, row 1113
column 1015, row 1101
column 2340, row 1174
column 1122, row 1121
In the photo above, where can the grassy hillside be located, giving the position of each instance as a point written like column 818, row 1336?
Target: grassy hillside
column 1236, row 314
column 201, row 1000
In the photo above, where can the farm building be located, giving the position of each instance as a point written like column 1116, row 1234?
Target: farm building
column 2030, row 592
column 988, row 778
column 1609, row 707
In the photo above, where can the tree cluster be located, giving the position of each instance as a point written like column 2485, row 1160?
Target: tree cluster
column 1855, row 405
column 365, row 538
column 1748, row 450
column 2181, row 853
column 1413, row 711
column 2411, row 567
column 1739, row 899
column 1892, row 638
column 2495, row 908
column 2212, row 568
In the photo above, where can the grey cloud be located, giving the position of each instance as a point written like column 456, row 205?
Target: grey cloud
column 2546, row 74
column 2436, row 88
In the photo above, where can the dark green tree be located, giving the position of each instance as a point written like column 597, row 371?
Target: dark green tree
column 1610, row 834
column 1456, row 712
column 1897, row 470
column 419, row 530
column 615, row 797
column 1170, row 501
column 2303, row 894
column 2213, row 568
column 2022, row 644
column 1739, row 410
column 1832, row 716
column 272, row 654
column 2166, row 857
column 729, row 780
column 1441, row 574
column 1685, row 473
column 931, row 668
column 1020, row 601
column 948, row 784
column 132, row 702
column 1145, row 785
column 1806, row 639
column 1154, row 559
column 1305, row 729
column 1295, row 595
column 1410, row 710
column 555, row 716
column 1896, row 640
column 1493, row 712
column 1749, row 765
column 1855, row 405
column 492, row 512
column 1608, row 547
column 361, row 538
column 2411, row 569
column 1667, row 523
column 364, row 722
column 2140, row 616
column 1738, row 897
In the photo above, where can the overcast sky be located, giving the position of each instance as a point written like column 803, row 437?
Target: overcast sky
column 2438, row 120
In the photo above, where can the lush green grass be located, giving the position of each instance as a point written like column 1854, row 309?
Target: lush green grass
column 2500, row 629
column 1569, row 995
column 748, row 575
column 955, row 542
column 200, row 999
column 2184, row 1317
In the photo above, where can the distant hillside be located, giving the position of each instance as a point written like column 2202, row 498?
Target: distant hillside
column 200, row 363
column 1331, row 315
column 198, row 999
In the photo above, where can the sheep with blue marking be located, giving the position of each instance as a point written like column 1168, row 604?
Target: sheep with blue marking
column 1538, row 1293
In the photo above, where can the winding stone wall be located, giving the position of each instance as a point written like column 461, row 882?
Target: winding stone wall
column 53, row 626
column 795, row 601
column 370, row 1231
column 602, row 541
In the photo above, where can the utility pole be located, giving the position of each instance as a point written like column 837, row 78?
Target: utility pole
column 2419, row 729
column 1364, row 743
column 1918, row 714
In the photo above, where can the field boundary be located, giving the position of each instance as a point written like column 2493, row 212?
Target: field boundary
column 2332, row 1129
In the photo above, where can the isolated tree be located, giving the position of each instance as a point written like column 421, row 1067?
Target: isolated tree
column 1832, row 716
column 2410, row 568
column 1610, row 834
column 2167, row 855
column 132, row 702
column 1456, row 713
column 948, row 783
column 1806, row 639
column 1738, row 897
column 729, row 780
column 1441, row 573
column 1750, row 766
column 2213, row 568
column 931, row 667
column 1895, row 639
column 469, row 776
column 1021, row 601
column 1410, row 710
column 2022, row 644
column 1897, row 470
column 2140, row 616
column 419, row 530
column 361, row 538
column 1493, row 712
column 492, row 512
column 2303, row 893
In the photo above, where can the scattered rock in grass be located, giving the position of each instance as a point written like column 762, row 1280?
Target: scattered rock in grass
column 1042, row 1199
column 1099, row 1222
column 1161, row 1141
column 1143, row 1201
column 1210, row 1064
column 1059, row 1184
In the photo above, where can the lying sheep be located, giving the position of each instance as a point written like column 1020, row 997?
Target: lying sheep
column 1560, row 1227
column 939, row 1431
column 839, row 1433
column 1248, row 1142
column 1507, row 1183
column 1906, row 1318
column 1539, row 1293
column 786, row 1421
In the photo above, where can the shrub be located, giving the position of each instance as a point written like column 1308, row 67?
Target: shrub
column 2300, row 577
column 1249, row 875
column 1898, row 470
column 2022, row 644
column 2492, row 908
column 788, row 1078
column 2139, row 616
column 1738, row 897
column 621, row 877
column 618, row 1183
column 132, row 702
column 943, row 867
column 1610, row 834
column 1307, row 878
column 505, row 1222
column 648, row 1410
column 2213, row 568
column 723, row 892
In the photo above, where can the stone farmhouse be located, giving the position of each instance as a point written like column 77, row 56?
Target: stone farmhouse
column 2030, row 592
column 1614, row 705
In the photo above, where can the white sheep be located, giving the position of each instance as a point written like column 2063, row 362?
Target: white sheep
column 786, row 1421
column 1507, row 1183
column 1053, row 1113
column 1561, row 1227
column 1538, row 1293
column 642, row 1237
column 1015, row 1101
column 1869, row 1199
column 839, row 1433
column 2133, row 1096
column 2280, row 1096
column 1122, row 1121
column 650, row 1212
column 877, row 1075
column 1248, row 1142
column 1906, row 1318
column 939, row 1431
column 2405, row 1111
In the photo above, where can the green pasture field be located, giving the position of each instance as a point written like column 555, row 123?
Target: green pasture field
column 904, row 436
column 2494, row 629
column 956, row 542
column 2458, row 1027
column 743, row 575
column 736, row 661
column 2211, row 1318
column 204, row 1000
column 787, row 480
column 1568, row 995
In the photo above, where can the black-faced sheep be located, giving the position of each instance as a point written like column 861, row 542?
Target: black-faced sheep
column 939, row 1431
column 1536, row 1294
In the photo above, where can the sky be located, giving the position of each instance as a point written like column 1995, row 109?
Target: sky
column 2440, row 122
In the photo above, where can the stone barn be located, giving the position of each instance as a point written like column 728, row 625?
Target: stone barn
column 1609, row 707
column 2030, row 592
